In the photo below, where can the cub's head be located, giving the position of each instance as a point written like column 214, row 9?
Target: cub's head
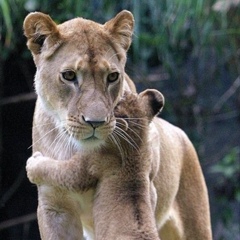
column 80, row 71
column 134, row 114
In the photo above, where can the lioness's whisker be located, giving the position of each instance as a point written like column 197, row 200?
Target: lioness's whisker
column 63, row 140
column 58, row 142
column 135, row 133
column 134, row 122
column 46, row 134
column 113, row 137
column 58, row 135
column 138, row 124
column 70, row 144
column 126, row 137
column 129, row 128
column 131, row 118
column 120, row 124
column 125, row 134
column 122, row 150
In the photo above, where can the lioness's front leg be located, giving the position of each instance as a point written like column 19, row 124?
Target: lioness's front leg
column 58, row 213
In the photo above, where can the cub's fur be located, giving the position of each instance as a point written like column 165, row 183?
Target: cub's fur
column 122, row 170
column 79, row 81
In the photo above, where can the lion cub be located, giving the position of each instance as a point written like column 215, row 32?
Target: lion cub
column 121, row 171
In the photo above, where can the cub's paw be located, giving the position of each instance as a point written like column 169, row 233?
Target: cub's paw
column 35, row 168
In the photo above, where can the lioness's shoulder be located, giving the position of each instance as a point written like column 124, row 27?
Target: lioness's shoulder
column 172, row 136
column 165, row 127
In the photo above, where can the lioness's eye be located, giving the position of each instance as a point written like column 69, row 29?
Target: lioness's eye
column 112, row 77
column 69, row 75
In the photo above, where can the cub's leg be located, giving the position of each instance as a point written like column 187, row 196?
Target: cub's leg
column 58, row 215
column 72, row 174
column 123, row 210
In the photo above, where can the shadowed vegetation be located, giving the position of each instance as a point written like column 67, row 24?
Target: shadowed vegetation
column 189, row 50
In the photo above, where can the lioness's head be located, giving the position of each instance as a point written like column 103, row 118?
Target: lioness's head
column 80, row 71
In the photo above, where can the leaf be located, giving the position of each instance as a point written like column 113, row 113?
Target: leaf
column 7, row 20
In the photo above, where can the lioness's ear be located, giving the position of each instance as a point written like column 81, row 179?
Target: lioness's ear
column 37, row 28
column 121, row 28
column 153, row 102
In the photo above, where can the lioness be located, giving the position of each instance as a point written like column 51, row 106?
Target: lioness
column 122, row 169
column 80, row 79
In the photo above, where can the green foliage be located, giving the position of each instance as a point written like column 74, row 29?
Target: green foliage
column 7, row 19
column 11, row 35
column 5, row 28
column 228, row 170
column 174, row 30
column 196, row 47
column 229, row 165
column 178, row 30
column 227, row 187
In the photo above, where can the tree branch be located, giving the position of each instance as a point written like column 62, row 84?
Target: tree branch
column 19, row 98
column 18, row 220
column 227, row 95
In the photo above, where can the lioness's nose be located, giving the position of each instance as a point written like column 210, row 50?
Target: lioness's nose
column 93, row 123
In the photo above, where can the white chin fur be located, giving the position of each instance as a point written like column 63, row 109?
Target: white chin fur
column 88, row 145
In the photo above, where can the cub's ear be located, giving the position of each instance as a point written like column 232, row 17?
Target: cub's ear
column 41, row 31
column 121, row 28
column 153, row 102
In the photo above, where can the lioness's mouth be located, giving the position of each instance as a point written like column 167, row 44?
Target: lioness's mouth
column 91, row 138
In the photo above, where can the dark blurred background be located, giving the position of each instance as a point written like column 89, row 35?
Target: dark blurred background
column 189, row 50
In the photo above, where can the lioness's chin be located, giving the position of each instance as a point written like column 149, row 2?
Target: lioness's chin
column 89, row 144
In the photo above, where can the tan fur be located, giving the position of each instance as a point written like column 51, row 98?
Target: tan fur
column 122, row 179
column 77, row 117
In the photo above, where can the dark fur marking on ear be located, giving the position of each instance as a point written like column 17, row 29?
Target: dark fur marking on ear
column 39, row 39
column 155, row 103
